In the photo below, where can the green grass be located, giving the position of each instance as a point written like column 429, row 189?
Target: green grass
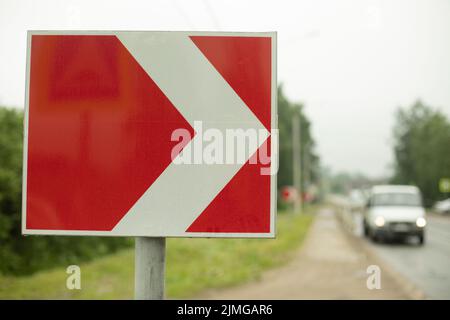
column 192, row 266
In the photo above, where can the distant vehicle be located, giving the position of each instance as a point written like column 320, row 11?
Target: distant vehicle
column 442, row 206
column 394, row 211
column 357, row 198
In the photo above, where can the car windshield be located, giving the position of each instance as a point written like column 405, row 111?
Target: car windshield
column 396, row 199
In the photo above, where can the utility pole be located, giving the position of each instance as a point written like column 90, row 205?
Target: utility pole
column 296, row 162
column 306, row 167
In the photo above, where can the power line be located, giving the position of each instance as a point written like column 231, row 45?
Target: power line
column 212, row 15
column 185, row 16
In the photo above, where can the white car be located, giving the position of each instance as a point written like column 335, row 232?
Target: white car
column 395, row 211
column 443, row 206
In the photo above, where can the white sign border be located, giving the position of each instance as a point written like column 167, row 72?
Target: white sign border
column 274, row 124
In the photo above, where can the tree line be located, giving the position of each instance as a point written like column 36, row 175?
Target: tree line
column 422, row 149
column 310, row 162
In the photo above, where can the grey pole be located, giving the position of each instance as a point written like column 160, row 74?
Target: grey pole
column 306, row 167
column 150, row 261
column 296, row 162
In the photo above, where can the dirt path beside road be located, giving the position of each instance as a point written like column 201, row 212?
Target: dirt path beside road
column 330, row 265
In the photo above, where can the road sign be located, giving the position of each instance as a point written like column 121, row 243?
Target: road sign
column 119, row 128
column 444, row 185
column 289, row 194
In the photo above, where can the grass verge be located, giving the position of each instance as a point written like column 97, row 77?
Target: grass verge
column 192, row 265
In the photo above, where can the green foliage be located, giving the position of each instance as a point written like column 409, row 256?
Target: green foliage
column 24, row 255
column 193, row 265
column 422, row 149
column 343, row 182
column 309, row 160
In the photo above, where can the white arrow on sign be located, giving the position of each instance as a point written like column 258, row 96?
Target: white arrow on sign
column 193, row 86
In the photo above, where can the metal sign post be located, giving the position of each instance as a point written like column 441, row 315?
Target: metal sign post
column 150, row 262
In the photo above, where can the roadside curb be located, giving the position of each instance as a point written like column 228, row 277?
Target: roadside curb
column 409, row 288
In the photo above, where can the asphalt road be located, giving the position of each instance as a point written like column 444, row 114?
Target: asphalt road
column 427, row 266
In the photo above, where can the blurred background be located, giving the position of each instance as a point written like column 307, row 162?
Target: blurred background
column 364, row 84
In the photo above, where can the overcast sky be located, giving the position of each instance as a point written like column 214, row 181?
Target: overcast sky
column 350, row 62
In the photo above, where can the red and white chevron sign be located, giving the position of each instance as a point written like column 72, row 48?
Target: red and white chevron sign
column 150, row 134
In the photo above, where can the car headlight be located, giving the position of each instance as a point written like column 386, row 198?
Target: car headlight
column 421, row 222
column 379, row 221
